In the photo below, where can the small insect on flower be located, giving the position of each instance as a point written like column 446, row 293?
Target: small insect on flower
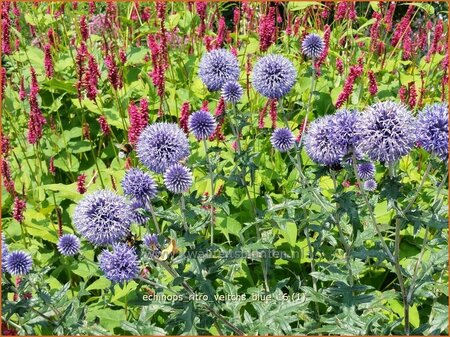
column 433, row 129
column 273, row 76
column 68, row 245
column 202, row 124
column 282, row 139
column 103, row 217
column 161, row 145
column 121, row 264
column 312, row 46
column 139, row 185
column 18, row 263
column 370, row 185
column 218, row 67
column 124, row 150
column 232, row 92
column 366, row 170
column 178, row 178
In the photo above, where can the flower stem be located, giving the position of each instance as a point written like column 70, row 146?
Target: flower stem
column 155, row 221
column 183, row 215
column 211, row 177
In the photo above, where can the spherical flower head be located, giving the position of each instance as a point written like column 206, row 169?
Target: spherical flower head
column 232, row 92
column 312, row 46
column 5, row 252
column 282, row 139
column 344, row 124
column 161, row 145
column 151, row 240
column 202, row 124
column 139, row 185
column 178, row 178
column 68, row 245
column 370, row 185
column 273, row 76
column 139, row 216
column 387, row 131
column 319, row 143
column 18, row 263
column 366, row 170
column 103, row 217
column 218, row 67
column 432, row 124
column 121, row 264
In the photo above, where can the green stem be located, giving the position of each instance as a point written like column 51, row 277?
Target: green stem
column 211, row 177
column 155, row 221
column 183, row 215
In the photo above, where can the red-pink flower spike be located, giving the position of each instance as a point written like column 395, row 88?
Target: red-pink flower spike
column 262, row 115
column 3, row 80
column 113, row 72
column 267, row 30
column 355, row 72
column 35, row 122
column 7, row 180
column 273, row 113
column 373, row 88
column 84, row 28
column 51, row 166
column 403, row 93
column 6, row 25
column 324, row 54
column 438, row 30
column 138, row 120
column 48, row 62
column 389, row 15
column 19, row 208
column 81, row 180
column 104, row 126
column 339, row 66
column 201, row 11
column 401, row 27
column 221, row 32
column 184, row 117
column 22, row 92
column 91, row 78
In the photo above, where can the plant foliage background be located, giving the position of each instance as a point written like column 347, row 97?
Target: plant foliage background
column 331, row 273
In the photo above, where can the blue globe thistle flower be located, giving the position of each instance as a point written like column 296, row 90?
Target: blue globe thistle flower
column 370, row 185
column 232, row 92
column 18, row 263
column 432, row 124
column 68, row 245
column 139, row 185
column 282, row 139
column 178, row 178
column 387, row 131
column 319, row 143
column 121, row 264
column 218, row 67
column 161, row 145
column 139, row 216
column 273, row 76
column 5, row 252
column 202, row 124
column 312, row 46
column 103, row 217
column 366, row 170
column 151, row 240
column 344, row 124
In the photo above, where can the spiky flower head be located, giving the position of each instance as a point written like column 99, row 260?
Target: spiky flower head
column 68, row 245
column 18, row 263
column 232, row 92
column 387, row 131
column 319, row 143
column 121, row 264
column 139, row 185
column 202, row 124
column 344, row 124
column 218, row 67
column 366, row 170
column 161, row 145
column 151, row 240
column 139, row 212
column 178, row 178
column 103, row 217
column 312, row 46
column 432, row 124
column 273, row 76
column 282, row 139
column 370, row 185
